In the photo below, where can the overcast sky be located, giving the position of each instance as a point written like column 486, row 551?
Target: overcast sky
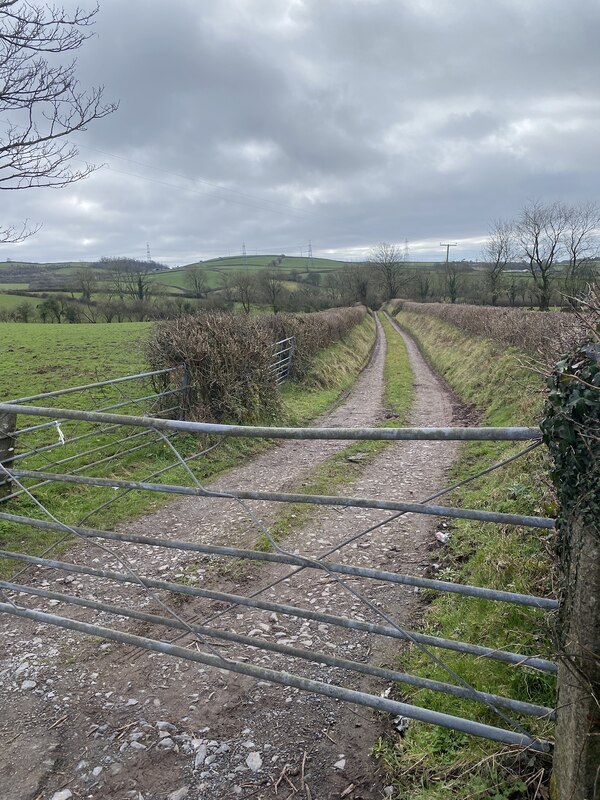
column 341, row 122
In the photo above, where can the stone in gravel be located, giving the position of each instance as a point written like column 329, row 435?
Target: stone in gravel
column 165, row 726
column 254, row 761
column 97, row 771
column 135, row 745
column 341, row 764
column 28, row 685
column 166, row 744
column 200, row 756
column 64, row 794
column 179, row 794
column 210, row 760
column 388, row 791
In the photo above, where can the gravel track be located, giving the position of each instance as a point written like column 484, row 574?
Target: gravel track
column 103, row 721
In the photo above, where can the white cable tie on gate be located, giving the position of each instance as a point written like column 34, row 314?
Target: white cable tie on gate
column 61, row 436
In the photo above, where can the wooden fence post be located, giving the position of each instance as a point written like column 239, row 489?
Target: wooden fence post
column 572, row 432
column 8, row 424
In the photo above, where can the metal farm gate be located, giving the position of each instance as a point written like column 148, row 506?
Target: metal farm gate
column 46, row 449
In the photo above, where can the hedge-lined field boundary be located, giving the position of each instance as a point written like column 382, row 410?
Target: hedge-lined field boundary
column 229, row 357
column 542, row 336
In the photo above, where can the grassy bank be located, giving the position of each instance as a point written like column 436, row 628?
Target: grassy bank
column 116, row 352
column 432, row 762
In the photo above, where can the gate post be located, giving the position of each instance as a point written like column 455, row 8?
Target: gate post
column 572, row 432
column 8, row 424
column 184, row 400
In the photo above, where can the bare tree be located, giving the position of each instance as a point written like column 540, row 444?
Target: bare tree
column 24, row 312
column 84, row 281
column 195, row 279
column 334, row 286
column 386, row 259
column 499, row 250
column 423, row 285
column 272, row 289
column 582, row 247
column 539, row 231
column 243, row 287
column 356, row 280
column 453, row 273
column 41, row 103
column 138, row 283
column 129, row 277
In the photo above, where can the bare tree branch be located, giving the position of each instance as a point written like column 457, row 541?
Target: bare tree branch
column 41, row 101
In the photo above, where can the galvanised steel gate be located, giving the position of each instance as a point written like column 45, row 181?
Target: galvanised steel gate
column 29, row 465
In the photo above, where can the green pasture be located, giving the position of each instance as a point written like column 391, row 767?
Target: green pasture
column 262, row 261
column 8, row 302
column 38, row 357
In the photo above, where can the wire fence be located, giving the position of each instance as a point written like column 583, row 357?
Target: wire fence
column 98, row 448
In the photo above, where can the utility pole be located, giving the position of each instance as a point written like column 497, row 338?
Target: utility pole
column 451, row 279
column 309, row 260
column 245, row 260
column 447, row 245
column 148, row 256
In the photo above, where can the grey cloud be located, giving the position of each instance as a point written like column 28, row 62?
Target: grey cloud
column 374, row 120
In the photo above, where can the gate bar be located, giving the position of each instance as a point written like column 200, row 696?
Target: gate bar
column 367, row 434
column 286, row 679
column 293, row 652
column 517, row 659
column 111, row 382
column 280, row 558
column 281, row 497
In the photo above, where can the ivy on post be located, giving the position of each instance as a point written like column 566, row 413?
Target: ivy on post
column 572, row 432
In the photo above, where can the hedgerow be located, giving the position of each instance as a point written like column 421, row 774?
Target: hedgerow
column 229, row 357
column 543, row 336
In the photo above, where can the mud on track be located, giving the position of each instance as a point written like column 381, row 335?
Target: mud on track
column 107, row 721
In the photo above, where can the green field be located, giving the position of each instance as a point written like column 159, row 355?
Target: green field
column 40, row 358
column 10, row 301
column 260, row 262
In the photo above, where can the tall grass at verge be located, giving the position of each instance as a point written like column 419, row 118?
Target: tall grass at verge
column 432, row 762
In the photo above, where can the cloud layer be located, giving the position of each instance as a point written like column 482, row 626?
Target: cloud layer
column 344, row 122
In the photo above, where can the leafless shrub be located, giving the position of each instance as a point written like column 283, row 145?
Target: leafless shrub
column 541, row 336
column 228, row 357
